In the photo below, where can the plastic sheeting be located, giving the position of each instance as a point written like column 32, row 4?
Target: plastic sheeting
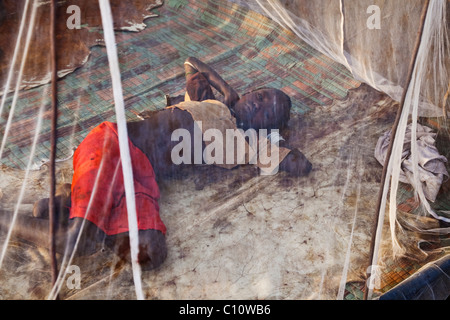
column 233, row 234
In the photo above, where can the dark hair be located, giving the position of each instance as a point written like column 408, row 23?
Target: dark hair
column 284, row 119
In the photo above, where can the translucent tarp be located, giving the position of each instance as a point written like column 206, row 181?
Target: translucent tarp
column 231, row 233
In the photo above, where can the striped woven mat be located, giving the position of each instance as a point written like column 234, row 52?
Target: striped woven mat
column 246, row 48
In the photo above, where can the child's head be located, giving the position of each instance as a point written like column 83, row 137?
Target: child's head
column 264, row 108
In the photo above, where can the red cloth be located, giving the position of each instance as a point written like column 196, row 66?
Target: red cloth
column 108, row 209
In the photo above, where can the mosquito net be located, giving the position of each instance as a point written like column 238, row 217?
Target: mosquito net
column 368, row 83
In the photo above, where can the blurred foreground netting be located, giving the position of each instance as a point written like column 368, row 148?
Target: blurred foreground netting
column 232, row 234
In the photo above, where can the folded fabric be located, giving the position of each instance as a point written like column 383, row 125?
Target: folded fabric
column 432, row 170
column 98, row 192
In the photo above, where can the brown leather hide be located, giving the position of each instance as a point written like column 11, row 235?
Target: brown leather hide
column 72, row 44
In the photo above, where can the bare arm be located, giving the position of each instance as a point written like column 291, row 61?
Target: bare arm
column 193, row 64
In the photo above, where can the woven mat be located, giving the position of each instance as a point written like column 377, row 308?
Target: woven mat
column 246, row 48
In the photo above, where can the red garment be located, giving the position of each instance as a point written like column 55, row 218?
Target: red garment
column 108, row 209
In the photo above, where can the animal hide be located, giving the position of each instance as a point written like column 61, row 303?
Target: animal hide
column 73, row 44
